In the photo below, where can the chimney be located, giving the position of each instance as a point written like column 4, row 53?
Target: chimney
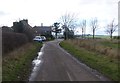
column 15, row 23
column 41, row 24
column 25, row 20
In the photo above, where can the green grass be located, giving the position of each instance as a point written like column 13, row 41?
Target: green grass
column 96, row 61
column 100, row 36
column 111, row 44
column 18, row 67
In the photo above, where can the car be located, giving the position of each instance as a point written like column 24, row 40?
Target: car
column 43, row 38
column 37, row 38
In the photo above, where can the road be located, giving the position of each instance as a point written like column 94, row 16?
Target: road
column 59, row 65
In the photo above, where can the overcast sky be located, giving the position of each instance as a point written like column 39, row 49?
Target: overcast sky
column 49, row 11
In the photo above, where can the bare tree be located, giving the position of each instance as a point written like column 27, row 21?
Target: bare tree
column 68, row 22
column 83, row 26
column 111, row 28
column 94, row 26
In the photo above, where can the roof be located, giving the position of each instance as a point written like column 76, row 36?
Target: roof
column 43, row 28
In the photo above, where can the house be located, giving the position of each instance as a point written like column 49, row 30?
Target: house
column 21, row 26
column 42, row 30
column 6, row 29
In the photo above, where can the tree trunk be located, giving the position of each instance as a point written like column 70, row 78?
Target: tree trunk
column 93, row 33
column 82, row 32
column 65, row 35
column 111, row 36
column 56, row 35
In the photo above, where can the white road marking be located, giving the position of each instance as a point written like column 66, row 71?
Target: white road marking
column 69, row 76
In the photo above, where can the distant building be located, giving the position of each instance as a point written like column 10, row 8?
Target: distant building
column 42, row 30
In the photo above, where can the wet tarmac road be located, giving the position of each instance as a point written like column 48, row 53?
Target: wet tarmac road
column 55, row 64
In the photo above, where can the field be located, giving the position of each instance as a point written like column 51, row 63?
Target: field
column 101, row 36
column 99, row 54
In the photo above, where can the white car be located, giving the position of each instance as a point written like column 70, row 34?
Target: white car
column 38, row 38
column 43, row 38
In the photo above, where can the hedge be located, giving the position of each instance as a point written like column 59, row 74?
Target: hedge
column 11, row 41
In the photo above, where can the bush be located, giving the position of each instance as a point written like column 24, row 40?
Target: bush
column 11, row 40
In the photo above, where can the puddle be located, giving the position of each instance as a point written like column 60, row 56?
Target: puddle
column 36, row 65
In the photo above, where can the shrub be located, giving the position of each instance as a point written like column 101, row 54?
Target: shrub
column 11, row 40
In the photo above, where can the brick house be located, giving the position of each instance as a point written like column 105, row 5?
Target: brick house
column 42, row 30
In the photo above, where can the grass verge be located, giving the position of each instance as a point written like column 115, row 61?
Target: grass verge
column 111, row 44
column 17, row 64
column 96, row 61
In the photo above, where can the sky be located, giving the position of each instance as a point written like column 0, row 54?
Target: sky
column 50, row 11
